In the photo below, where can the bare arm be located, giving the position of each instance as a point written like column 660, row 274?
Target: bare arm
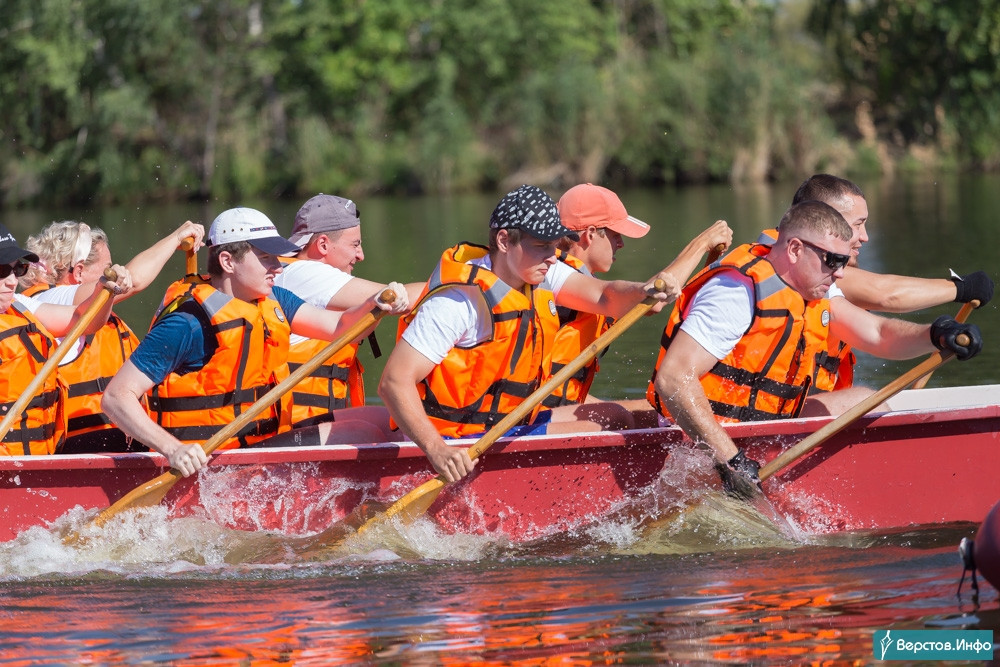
column 358, row 290
column 689, row 259
column 398, row 389
column 145, row 266
column 313, row 322
column 884, row 337
column 894, row 294
column 121, row 403
column 678, row 384
column 59, row 319
column 614, row 298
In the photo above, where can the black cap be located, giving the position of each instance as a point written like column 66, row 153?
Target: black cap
column 529, row 209
column 9, row 250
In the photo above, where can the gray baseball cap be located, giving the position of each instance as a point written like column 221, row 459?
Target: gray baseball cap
column 323, row 213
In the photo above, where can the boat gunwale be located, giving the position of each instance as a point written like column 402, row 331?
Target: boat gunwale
column 662, row 435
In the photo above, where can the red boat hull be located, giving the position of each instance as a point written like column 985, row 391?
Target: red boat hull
column 903, row 468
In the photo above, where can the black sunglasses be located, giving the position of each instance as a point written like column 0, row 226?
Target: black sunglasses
column 833, row 260
column 17, row 268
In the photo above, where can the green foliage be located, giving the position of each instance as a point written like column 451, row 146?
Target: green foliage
column 931, row 70
column 118, row 100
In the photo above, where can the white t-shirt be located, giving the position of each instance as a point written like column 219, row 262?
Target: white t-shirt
column 458, row 316
column 62, row 295
column 313, row 282
column 29, row 302
column 722, row 311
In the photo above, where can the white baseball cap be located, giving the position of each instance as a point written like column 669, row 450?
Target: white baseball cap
column 252, row 226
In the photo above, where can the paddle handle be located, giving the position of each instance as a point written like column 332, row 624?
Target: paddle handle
column 299, row 374
column 806, row 445
column 191, row 258
column 57, row 355
column 715, row 253
column 515, row 416
column 963, row 315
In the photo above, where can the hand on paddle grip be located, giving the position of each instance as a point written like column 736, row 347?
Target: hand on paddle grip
column 740, row 477
column 116, row 279
column 976, row 286
column 961, row 338
column 393, row 299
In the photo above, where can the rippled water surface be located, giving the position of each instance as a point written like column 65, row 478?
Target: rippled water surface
column 709, row 582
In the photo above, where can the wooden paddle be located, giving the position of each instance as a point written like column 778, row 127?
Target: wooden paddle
column 191, row 260
column 715, row 253
column 153, row 491
column 963, row 315
column 416, row 502
column 68, row 341
column 807, row 444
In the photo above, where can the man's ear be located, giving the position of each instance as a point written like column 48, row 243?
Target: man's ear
column 503, row 240
column 226, row 262
column 78, row 273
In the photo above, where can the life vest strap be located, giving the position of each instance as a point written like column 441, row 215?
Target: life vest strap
column 331, row 372
column 88, row 387
column 213, row 401
column 44, row 400
column 88, row 421
column 757, row 380
column 260, row 428
column 316, row 401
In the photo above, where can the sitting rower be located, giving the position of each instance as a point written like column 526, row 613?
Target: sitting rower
column 479, row 342
column 73, row 257
column 872, row 291
column 328, row 232
column 743, row 339
column 221, row 344
column 27, row 331
column 600, row 219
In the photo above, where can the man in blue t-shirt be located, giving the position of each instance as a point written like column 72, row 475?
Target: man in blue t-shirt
column 226, row 324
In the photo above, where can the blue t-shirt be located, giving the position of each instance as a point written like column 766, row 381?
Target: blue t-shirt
column 180, row 342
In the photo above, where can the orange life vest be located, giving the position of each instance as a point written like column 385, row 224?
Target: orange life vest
column 835, row 364
column 89, row 372
column 577, row 330
column 339, row 382
column 252, row 348
column 25, row 346
column 474, row 388
column 767, row 375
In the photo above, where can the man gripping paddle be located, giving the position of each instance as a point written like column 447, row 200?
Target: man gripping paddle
column 219, row 345
column 743, row 339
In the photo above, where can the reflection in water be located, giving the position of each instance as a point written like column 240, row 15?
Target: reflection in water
column 711, row 581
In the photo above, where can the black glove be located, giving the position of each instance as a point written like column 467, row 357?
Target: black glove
column 944, row 332
column 740, row 477
column 973, row 286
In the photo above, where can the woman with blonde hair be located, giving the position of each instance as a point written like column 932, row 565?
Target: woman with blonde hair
column 72, row 259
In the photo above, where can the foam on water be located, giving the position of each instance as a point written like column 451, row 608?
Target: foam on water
column 683, row 511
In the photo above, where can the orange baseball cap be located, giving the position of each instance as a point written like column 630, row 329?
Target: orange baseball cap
column 588, row 205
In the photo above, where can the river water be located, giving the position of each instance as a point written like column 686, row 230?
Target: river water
column 717, row 584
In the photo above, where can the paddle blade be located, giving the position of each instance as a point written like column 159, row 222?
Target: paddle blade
column 409, row 507
column 147, row 495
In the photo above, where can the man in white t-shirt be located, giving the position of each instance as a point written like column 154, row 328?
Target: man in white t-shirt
column 724, row 359
column 328, row 232
column 479, row 341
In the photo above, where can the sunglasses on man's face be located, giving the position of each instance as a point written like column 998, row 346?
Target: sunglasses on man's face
column 17, row 268
column 832, row 260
